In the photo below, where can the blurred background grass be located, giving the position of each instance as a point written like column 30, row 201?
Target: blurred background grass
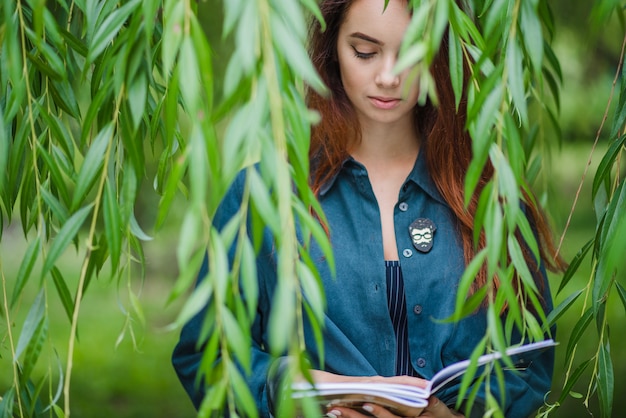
column 134, row 379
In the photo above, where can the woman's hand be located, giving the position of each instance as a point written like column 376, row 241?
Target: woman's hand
column 435, row 409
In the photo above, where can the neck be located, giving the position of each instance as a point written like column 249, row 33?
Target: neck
column 387, row 144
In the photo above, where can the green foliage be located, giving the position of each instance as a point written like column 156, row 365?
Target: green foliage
column 94, row 92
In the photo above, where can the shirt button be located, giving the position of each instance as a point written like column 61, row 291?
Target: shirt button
column 407, row 253
column 421, row 362
column 417, row 309
column 403, row 206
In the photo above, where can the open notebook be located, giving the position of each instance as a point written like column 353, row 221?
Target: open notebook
column 405, row 400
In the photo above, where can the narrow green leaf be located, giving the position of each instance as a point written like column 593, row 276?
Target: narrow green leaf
column 109, row 29
column 63, row 95
column 137, row 95
column 249, row 282
column 622, row 294
column 313, row 291
column 112, row 225
column 606, row 165
column 26, row 268
column 517, row 257
column 243, row 396
column 481, row 127
column 577, row 332
column 236, row 338
column 294, row 53
column 532, row 34
column 92, row 165
column 247, row 36
column 58, row 210
column 173, row 19
column 574, row 264
column 572, row 379
column 282, row 318
column 75, row 43
column 55, row 63
column 33, row 350
column 606, row 381
column 31, row 323
column 190, row 232
column 65, row 236
column 64, row 293
column 456, row 66
column 515, row 79
column 263, row 201
column 4, row 151
column 190, row 88
column 563, row 307
column 199, row 299
column 469, row 275
column 136, row 230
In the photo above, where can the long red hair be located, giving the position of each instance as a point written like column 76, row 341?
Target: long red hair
column 448, row 148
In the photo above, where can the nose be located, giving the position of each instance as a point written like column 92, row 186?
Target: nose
column 385, row 77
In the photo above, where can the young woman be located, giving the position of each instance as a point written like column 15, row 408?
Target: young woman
column 389, row 175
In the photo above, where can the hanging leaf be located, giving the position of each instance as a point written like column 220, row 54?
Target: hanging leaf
column 65, row 236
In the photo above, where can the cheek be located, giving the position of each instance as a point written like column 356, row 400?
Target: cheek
column 411, row 87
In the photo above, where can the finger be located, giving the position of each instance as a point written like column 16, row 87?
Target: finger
column 369, row 410
column 436, row 409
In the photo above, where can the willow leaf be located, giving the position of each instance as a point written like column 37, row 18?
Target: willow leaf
column 34, row 349
column 606, row 381
column 4, row 152
column 563, row 307
column 112, row 225
column 532, row 34
column 249, row 282
column 574, row 265
column 63, row 291
column 606, row 165
column 26, row 268
column 456, row 65
column 622, row 293
column 31, row 323
column 515, row 79
column 92, row 165
column 55, row 63
column 313, row 291
column 235, row 336
column 578, row 332
column 242, row 392
column 620, row 110
column 263, row 201
column 294, row 53
column 65, row 236
column 282, row 318
column 137, row 96
column 572, row 379
column 109, row 29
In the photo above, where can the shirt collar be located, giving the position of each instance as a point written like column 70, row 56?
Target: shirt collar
column 419, row 175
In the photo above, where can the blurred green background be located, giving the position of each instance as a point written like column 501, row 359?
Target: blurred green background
column 134, row 378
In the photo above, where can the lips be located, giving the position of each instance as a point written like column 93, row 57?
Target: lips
column 384, row 102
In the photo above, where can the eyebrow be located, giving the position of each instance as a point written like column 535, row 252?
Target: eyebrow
column 364, row 37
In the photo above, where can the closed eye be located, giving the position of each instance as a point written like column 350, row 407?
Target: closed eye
column 363, row 55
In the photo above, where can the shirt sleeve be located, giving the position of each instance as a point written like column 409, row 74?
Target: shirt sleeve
column 188, row 352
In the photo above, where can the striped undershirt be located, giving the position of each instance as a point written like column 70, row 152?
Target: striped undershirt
column 397, row 311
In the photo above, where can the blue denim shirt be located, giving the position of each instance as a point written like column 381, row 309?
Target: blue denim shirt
column 359, row 337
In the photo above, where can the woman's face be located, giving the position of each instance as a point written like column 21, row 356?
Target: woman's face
column 367, row 49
